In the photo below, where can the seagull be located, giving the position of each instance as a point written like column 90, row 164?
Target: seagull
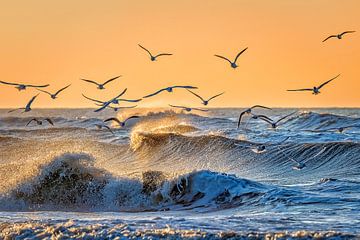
column 121, row 124
column 27, row 108
column 100, row 126
column 114, row 100
column 335, row 129
column 261, row 148
column 338, row 36
column 21, row 86
column 102, row 85
column 188, row 109
column 40, row 122
column 315, row 90
column 169, row 89
column 249, row 111
column 275, row 124
column 233, row 64
column 205, row 102
column 153, row 58
column 54, row 96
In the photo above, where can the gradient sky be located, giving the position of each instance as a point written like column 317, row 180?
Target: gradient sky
column 58, row 42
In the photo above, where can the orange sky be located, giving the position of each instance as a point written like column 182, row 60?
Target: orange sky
column 58, row 42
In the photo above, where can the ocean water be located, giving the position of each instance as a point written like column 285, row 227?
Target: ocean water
column 176, row 175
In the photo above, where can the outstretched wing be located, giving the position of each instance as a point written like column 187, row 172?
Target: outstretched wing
column 34, row 119
column 111, row 79
column 284, row 117
column 223, row 58
column 89, row 81
column 113, row 119
column 175, row 106
column 94, row 100
column 31, row 101
column 43, row 91
column 49, row 121
column 122, row 93
column 196, row 95
column 108, row 128
column 237, row 56
column 217, row 95
column 187, row 87
column 105, row 104
column 130, row 100
column 240, row 117
column 328, row 81
column 200, row 109
column 260, row 106
column 38, row 86
column 132, row 117
column 329, row 37
column 297, row 90
column 163, row 54
column 155, row 93
column 8, row 83
column 59, row 91
column 346, row 32
column 146, row 50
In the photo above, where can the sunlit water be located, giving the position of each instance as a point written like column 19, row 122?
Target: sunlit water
column 180, row 175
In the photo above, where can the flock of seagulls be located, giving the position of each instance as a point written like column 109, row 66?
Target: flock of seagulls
column 113, row 103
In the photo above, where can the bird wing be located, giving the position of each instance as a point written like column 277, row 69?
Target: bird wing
column 162, row 54
column 13, row 110
column 8, row 83
column 37, row 86
column 296, row 90
column 132, row 117
column 260, row 106
column 43, row 91
column 237, row 56
column 176, row 106
column 146, row 50
column 89, row 81
column 111, row 79
column 200, row 109
column 284, row 117
column 31, row 101
column 240, row 117
column 122, row 93
column 123, row 107
column 223, row 58
column 187, row 87
column 217, row 95
column 347, row 32
column 34, row 119
column 49, row 121
column 328, row 81
column 108, row 128
column 329, row 37
column 62, row 89
column 264, row 117
column 155, row 93
column 105, row 104
column 130, row 100
column 196, row 95
column 113, row 119
column 94, row 100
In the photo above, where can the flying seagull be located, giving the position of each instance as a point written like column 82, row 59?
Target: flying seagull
column 54, row 96
column 21, row 86
column 101, row 126
column 121, row 124
column 188, row 109
column 169, row 89
column 275, row 124
column 40, row 122
column 261, row 148
column 117, row 108
column 338, row 36
column 205, row 102
column 249, row 111
column 105, row 104
column 233, row 64
column 152, row 57
column 315, row 90
column 100, row 85
column 27, row 108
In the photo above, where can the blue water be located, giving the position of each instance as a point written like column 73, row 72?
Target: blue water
column 171, row 174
